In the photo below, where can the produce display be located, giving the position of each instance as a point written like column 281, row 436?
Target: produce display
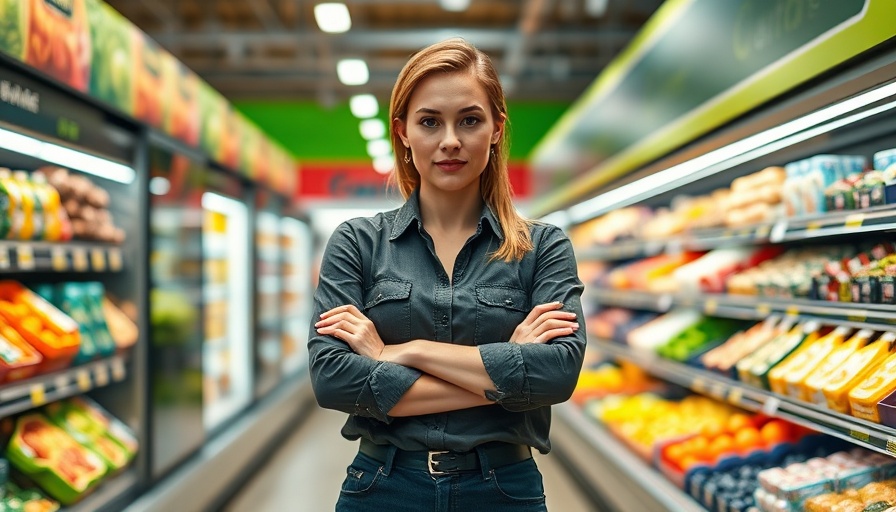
column 86, row 204
column 806, row 187
column 67, row 449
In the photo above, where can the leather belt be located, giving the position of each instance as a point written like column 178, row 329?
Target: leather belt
column 441, row 462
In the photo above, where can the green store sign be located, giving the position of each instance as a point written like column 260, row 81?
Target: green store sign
column 696, row 65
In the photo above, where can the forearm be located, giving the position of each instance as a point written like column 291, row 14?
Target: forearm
column 456, row 364
column 430, row 395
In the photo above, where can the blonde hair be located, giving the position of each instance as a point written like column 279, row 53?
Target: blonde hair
column 458, row 55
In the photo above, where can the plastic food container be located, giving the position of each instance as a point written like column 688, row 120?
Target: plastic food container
column 784, row 377
column 53, row 333
column 49, row 456
column 18, row 359
column 863, row 399
column 90, row 433
column 821, row 375
column 854, row 370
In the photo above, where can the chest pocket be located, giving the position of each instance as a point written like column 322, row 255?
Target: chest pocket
column 387, row 303
column 499, row 309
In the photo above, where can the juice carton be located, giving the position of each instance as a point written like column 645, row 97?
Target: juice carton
column 854, row 370
column 807, row 352
column 809, row 359
column 863, row 399
column 819, row 377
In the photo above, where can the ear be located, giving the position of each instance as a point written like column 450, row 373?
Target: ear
column 400, row 129
column 499, row 128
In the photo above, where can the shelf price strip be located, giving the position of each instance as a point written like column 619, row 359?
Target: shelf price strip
column 58, row 259
column 854, row 221
column 860, row 434
column 891, row 445
column 5, row 259
column 38, row 395
column 115, row 259
column 25, row 257
column 118, row 371
column 83, row 378
column 98, row 259
column 101, row 373
column 79, row 259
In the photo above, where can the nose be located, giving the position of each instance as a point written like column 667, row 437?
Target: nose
column 450, row 141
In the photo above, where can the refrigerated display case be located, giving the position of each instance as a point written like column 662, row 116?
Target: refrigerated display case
column 268, row 287
column 295, row 303
column 227, row 355
column 71, row 244
column 175, row 218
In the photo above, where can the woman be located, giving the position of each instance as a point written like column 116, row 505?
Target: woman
column 427, row 335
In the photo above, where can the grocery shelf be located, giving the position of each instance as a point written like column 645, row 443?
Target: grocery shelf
column 623, row 481
column 861, row 432
column 34, row 392
column 869, row 220
column 858, row 315
column 108, row 492
column 34, row 256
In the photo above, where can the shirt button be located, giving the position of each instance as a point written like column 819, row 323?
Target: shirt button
column 508, row 302
column 444, row 319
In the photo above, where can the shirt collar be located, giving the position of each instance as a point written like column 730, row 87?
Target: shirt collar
column 410, row 211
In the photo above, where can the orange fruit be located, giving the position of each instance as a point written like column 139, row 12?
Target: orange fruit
column 747, row 439
column 737, row 421
column 688, row 461
column 675, row 452
column 713, row 429
column 698, row 447
column 775, row 432
column 720, row 445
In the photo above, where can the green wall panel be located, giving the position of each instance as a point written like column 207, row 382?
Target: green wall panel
column 312, row 132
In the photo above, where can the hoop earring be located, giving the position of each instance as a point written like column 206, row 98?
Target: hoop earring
column 407, row 156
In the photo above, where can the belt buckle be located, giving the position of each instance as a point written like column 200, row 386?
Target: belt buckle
column 430, row 464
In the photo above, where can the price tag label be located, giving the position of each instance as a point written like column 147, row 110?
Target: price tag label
column 4, row 258
column 674, row 247
column 727, row 233
column 83, row 378
column 763, row 309
column 717, row 391
column 115, row 259
column 25, row 257
column 793, row 311
column 699, row 385
column 770, row 407
column 856, row 315
column 118, row 371
column 813, row 226
column 860, row 434
column 59, row 259
column 855, row 220
column 62, row 381
column 891, row 445
column 98, row 259
column 778, row 231
column 711, row 306
column 762, row 232
column 101, row 374
column 38, row 395
column 745, row 233
column 79, row 259
column 735, row 396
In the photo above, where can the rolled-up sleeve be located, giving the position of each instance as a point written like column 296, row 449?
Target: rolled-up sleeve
column 341, row 379
column 531, row 375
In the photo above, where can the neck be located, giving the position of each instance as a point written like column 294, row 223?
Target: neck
column 450, row 211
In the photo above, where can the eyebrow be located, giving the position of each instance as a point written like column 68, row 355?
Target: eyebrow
column 472, row 108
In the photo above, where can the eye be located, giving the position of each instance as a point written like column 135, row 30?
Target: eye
column 470, row 121
column 429, row 122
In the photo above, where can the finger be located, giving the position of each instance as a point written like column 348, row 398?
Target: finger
column 551, row 316
column 341, row 325
column 554, row 324
column 350, row 308
column 338, row 317
column 554, row 333
column 540, row 310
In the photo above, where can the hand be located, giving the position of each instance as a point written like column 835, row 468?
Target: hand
column 544, row 323
column 351, row 326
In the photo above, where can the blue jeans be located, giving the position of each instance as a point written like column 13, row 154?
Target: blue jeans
column 371, row 485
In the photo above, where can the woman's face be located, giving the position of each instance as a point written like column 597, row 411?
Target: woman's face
column 450, row 130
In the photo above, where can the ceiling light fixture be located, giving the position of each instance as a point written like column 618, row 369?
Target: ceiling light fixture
column 352, row 71
column 379, row 147
column 454, row 5
column 384, row 164
column 364, row 106
column 373, row 129
column 332, row 17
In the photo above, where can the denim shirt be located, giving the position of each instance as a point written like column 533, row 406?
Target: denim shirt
column 387, row 266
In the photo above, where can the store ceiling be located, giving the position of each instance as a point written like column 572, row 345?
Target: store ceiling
column 273, row 49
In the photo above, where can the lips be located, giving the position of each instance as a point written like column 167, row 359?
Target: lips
column 450, row 165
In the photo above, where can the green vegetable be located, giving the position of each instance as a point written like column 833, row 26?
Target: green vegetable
column 110, row 72
column 878, row 506
column 13, row 27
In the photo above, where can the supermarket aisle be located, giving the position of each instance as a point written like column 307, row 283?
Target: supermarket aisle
column 305, row 474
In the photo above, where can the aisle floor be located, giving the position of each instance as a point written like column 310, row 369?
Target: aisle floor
column 306, row 473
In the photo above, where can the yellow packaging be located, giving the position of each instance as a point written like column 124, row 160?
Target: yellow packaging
column 805, row 333
column 785, row 378
column 822, row 374
column 854, row 370
column 16, row 215
column 31, row 222
column 744, row 366
column 863, row 399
